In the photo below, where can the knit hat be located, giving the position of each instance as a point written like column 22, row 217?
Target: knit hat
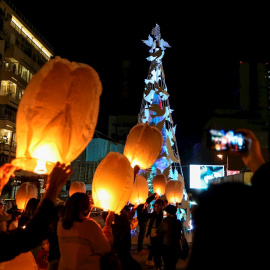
column 171, row 209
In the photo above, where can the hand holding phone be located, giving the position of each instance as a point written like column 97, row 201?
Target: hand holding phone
column 231, row 141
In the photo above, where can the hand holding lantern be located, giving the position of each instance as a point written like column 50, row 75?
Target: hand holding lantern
column 6, row 170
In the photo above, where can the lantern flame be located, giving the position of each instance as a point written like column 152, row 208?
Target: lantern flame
column 134, row 163
column 106, row 197
column 41, row 167
column 43, row 153
column 46, row 151
column 138, row 201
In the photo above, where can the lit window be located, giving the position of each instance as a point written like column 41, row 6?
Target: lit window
column 8, row 88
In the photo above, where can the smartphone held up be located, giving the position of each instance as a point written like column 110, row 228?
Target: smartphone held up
column 222, row 140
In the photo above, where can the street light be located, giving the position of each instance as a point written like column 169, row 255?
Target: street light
column 220, row 156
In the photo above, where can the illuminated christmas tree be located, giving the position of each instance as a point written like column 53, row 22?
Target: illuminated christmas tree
column 155, row 110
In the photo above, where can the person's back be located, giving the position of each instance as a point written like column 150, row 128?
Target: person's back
column 225, row 228
column 81, row 239
column 81, row 245
column 169, row 233
column 4, row 217
column 121, row 232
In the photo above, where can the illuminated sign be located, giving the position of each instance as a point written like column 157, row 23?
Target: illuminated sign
column 200, row 175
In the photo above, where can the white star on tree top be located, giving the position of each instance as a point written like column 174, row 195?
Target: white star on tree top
column 158, row 42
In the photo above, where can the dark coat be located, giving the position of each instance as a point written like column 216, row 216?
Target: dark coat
column 155, row 219
column 170, row 231
column 121, row 232
column 142, row 214
column 20, row 240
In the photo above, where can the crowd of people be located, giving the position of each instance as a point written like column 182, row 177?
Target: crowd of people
column 226, row 221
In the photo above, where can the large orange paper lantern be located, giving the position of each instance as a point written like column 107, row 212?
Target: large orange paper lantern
column 25, row 192
column 57, row 115
column 159, row 183
column 174, row 191
column 139, row 192
column 77, row 187
column 112, row 182
column 143, row 145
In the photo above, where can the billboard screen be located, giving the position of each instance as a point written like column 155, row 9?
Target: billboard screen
column 201, row 174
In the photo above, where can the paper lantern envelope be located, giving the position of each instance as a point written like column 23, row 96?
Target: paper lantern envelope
column 25, row 192
column 57, row 115
column 139, row 192
column 174, row 191
column 159, row 184
column 143, row 145
column 77, row 186
column 112, row 182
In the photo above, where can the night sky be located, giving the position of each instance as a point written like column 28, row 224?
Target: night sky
column 207, row 44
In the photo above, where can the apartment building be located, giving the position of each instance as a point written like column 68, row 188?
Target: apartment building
column 23, row 51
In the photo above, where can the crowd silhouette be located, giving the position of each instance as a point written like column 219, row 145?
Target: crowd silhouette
column 226, row 221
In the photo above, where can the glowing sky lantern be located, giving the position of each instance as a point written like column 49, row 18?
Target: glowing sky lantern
column 77, row 187
column 159, row 184
column 139, row 192
column 143, row 145
column 57, row 115
column 112, row 182
column 174, row 191
column 25, row 192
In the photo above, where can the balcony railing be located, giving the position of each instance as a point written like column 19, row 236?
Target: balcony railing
column 11, row 118
column 4, row 147
column 29, row 40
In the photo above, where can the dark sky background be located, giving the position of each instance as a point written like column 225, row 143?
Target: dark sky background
column 207, row 44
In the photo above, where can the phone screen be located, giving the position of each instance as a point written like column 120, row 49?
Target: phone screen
column 221, row 140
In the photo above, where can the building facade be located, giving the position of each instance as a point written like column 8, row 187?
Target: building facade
column 84, row 166
column 120, row 125
column 23, row 51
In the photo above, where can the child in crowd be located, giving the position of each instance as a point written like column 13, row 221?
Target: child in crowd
column 15, row 220
column 42, row 257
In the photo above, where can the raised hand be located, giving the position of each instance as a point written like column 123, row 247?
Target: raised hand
column 253, row 157
column 56, row 180
column 6, row 170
